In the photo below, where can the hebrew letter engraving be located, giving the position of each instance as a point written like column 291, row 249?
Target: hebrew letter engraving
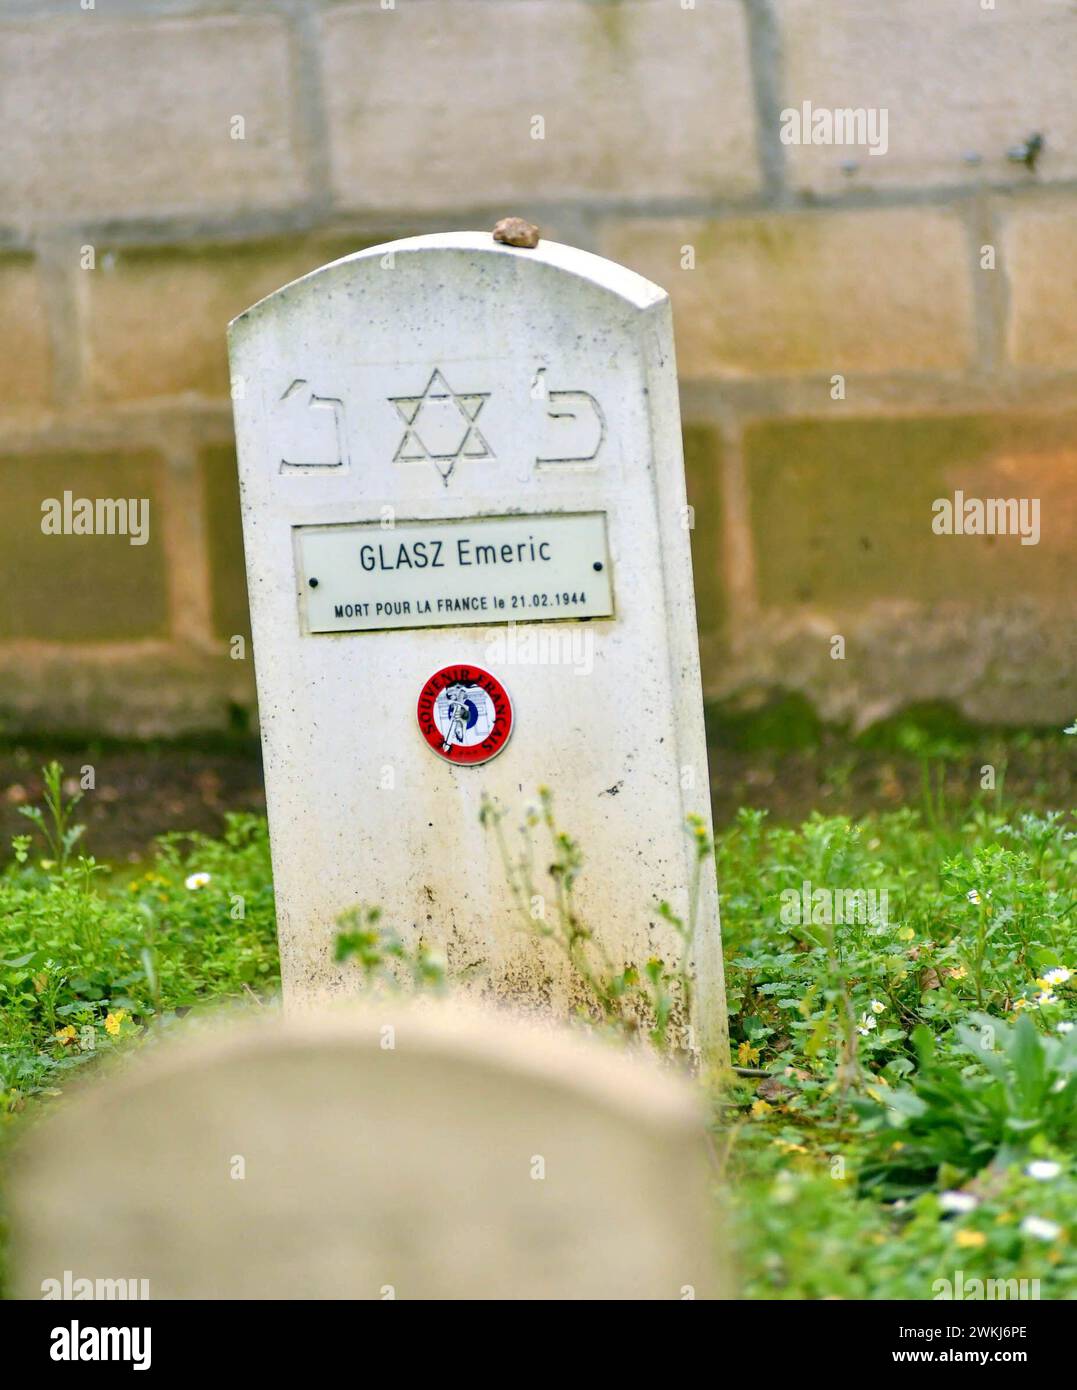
column 311, row 431
column 574, row 428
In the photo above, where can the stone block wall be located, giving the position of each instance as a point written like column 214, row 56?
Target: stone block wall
column 861, row 330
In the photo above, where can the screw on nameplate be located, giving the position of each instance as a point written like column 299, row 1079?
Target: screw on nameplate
column 514, row 231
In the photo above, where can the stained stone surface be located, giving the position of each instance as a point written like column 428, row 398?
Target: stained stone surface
column 452, row 379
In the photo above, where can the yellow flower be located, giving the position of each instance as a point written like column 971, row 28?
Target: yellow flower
column 760, row 1108
column 747, row 1054
column 958, row 972
column 66, row 1035
column 969, row 1240
column 113, row 1021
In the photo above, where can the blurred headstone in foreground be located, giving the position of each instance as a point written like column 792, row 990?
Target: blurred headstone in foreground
column 375, row 1153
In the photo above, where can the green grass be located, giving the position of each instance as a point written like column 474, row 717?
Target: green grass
column 881, row 1093
column 884, row 1065
column 89, row 958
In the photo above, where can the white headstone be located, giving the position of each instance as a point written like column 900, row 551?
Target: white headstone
column 462, row 460
column 370, row 1154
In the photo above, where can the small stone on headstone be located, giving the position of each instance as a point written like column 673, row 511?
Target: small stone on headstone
column 514, row 231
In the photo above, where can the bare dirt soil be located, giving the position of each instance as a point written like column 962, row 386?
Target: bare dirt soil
column 145, row 790
column 141, row 791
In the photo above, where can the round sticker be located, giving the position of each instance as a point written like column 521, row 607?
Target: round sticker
column 465, row 714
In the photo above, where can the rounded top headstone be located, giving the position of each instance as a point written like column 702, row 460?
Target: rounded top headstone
column 439, row 1152
column 464, row 248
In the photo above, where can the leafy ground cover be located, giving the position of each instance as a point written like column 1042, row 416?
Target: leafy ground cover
column 919, row 1113
column 902, row 1119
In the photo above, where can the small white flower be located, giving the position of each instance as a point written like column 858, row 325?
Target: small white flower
column 877, row 1006
column 866, row 1025
column 1046, row 997
column 959, row 1202
column 1043, row 1169
column 1058, row 976
column 196, row 881
column 1065, row 1026
column 1039, row 1227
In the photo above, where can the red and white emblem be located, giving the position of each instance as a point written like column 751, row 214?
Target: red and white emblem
column 465, row 714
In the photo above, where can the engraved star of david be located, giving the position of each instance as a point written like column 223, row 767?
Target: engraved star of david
column 440, row 426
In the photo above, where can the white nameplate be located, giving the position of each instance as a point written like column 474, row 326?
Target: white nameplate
column 363, row 577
